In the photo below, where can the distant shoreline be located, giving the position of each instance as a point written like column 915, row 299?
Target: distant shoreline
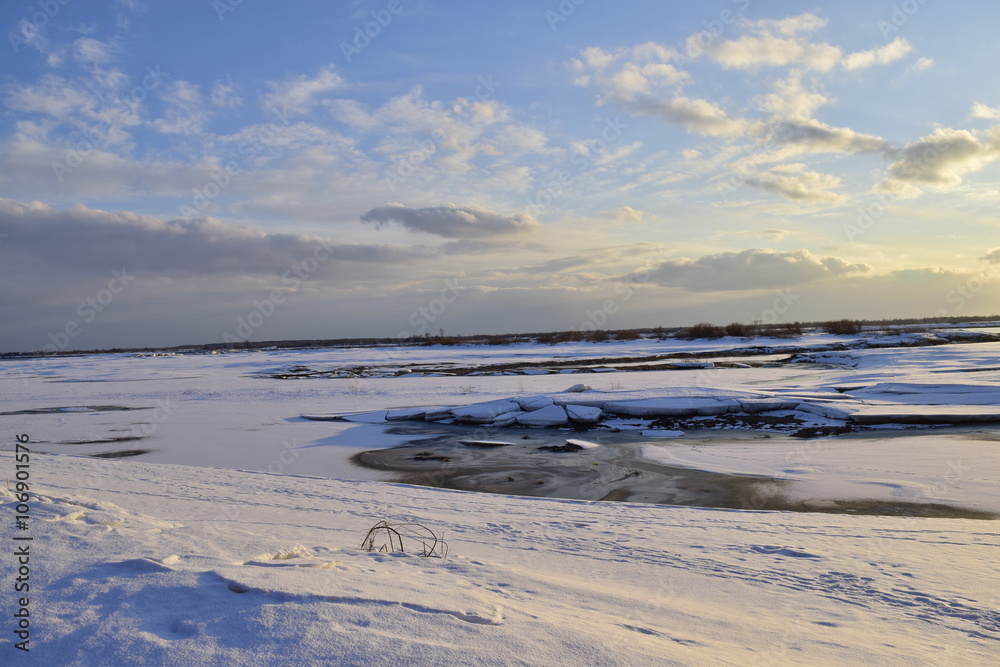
column 752, row 331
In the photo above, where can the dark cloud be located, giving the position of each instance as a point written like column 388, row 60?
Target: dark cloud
column 451, row 221
column 756, row 268
column 88, row 239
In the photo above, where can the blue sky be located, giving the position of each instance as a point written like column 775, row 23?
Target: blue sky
column 273, row 172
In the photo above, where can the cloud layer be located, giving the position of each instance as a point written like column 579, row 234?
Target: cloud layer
column 451, row 221
column 96, row 241
column 752, row 269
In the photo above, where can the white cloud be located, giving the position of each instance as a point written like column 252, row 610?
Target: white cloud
column 793, row 182
column 449, row 136
column 753, row 51
column 628, row 81
column 521, row 139
column 89, row 51
column 663, row 73
column 772, row 234
column 788, row 27
column 770, row 43
column 792, row 99
column 298, row 94
column 225, row 94
column 353, row 114
column 779, row 43
column 923, row 64
column 980, row 110
column 613, row 155
column 88, row 103
column 55, row 97
column 288, row 170
column 628, row 70
column 643, row 80
column 605, row 156
column 185, row 109
column 596, row 57
column 626, row 214
column 883, row 55
column 482, row 112
column 939, row 161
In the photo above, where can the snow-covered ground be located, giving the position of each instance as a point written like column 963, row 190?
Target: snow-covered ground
column 232, row 533
column 138, row 563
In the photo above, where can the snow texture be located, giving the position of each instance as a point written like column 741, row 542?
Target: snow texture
column 167, row 564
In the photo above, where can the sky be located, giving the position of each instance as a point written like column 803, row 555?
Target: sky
column 215, row 171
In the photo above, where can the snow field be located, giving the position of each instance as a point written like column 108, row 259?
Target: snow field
column 181, row 565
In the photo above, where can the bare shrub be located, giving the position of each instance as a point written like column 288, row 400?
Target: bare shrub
column 705, row 330
column 739, row 330
column 784, row 330
column 842, row 327
column 386, row 537
column 560, row 337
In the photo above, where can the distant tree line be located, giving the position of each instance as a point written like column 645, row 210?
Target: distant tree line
column 700, row 330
